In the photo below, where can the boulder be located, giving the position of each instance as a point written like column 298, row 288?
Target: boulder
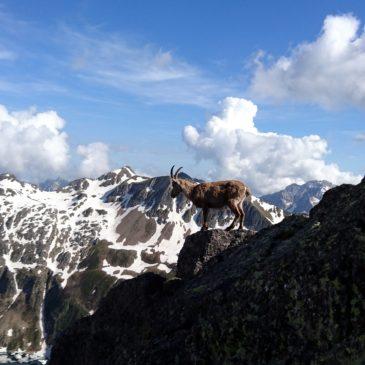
column 204, row 247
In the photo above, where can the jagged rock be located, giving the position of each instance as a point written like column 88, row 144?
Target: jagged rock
column 114, row 177
column 7, row 288
column 87, row 212
column 76, row 185
column 294, row 293
column 63, row 259
column 151, row 257
column 23, row 310
column 204, row 246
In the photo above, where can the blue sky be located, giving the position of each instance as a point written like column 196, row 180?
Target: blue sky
column 132, row 75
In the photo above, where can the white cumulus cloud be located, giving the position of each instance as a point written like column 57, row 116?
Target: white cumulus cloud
column 266, row 161
column 95, row 159
column 34, row 147
column 32, row 144
column 330, row 71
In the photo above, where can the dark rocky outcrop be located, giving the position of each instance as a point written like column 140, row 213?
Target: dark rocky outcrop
column 23, row 308
column 204, row 247
column 87, row 212
column 152, row 257
column 292, row 294
column 124, row 258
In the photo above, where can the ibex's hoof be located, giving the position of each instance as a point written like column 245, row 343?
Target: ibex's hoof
column 228, row 228
column 204, row 229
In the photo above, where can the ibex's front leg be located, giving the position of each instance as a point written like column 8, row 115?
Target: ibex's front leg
column 205, row 219
column 242, row 216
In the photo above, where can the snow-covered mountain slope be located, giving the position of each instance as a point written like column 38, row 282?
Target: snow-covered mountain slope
column 61, row 251
column 299, row 198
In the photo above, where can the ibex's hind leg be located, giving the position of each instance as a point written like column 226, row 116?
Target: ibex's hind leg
column 205, row 219
column 242, row 216
column 232, row 205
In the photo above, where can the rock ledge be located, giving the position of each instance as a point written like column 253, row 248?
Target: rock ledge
column 203, row 248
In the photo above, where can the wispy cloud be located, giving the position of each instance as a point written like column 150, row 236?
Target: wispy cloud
column 13, row 25
column 360, row 137
column 8, row 26
column 27, row 71
column 37, row 86
column 146, row 71
column 103, row 59
column 6, row 54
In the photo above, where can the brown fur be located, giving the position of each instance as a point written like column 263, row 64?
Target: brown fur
column 218, row 194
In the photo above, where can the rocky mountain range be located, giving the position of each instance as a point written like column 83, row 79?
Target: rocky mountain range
column 61, row 251
column 53, row 184
column 299, row 198
column 293, row 293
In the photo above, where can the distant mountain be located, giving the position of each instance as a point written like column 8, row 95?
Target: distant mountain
column 299, row 198
column 53, row 184
column 61, row 251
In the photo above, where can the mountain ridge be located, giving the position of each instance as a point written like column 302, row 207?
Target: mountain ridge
column 61, row 251
column 53, row 184
column 297, row 198
column 291, row 294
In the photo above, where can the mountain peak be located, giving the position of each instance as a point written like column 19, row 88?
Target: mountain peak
column 53, row 184
column 125, row 169
column 7, row 176
column 297, row 198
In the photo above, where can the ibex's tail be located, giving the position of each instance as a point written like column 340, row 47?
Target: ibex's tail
column 248, row 192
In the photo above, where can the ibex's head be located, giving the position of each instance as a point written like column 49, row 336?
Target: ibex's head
column 176, row 189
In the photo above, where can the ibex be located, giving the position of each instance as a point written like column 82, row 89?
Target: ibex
column 218, row 194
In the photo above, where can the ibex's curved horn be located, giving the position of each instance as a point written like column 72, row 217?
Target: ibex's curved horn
column 172, row 172
column 177, row 171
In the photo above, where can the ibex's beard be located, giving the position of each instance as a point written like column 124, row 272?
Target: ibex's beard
column 174, row 195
